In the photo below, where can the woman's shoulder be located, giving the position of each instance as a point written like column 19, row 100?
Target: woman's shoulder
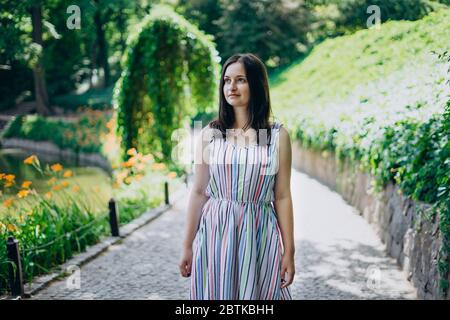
column 282, row 132
column 210, row 132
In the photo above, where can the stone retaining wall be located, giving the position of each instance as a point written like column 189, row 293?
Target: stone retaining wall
column 409, row 236
column 48, row 151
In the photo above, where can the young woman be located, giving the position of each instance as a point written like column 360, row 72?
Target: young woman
column 239, row 241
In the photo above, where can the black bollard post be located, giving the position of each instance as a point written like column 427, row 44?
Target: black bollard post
column 166, row 192
column 15, row 272
column 77, row 156
column 114, row 218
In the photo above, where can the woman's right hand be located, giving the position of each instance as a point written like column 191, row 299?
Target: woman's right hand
column 186, row 262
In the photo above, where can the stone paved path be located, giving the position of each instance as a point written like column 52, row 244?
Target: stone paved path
column 338, row 256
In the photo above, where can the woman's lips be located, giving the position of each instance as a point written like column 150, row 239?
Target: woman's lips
column 233, row 95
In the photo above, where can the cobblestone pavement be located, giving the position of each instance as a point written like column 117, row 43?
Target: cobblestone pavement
column 338, row 256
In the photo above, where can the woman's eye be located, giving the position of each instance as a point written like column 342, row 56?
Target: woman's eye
column 241, row 80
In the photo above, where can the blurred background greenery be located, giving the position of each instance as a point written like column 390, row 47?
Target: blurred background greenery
column 80, row 66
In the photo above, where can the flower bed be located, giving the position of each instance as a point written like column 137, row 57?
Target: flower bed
column 51, row 226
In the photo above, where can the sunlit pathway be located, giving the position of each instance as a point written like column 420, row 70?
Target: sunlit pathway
column 338, row 256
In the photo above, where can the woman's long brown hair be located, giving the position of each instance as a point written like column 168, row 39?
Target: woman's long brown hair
column 259, row 109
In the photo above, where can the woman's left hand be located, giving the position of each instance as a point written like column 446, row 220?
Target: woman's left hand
column 287, row 270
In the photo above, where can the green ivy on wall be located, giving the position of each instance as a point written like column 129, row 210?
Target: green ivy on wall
column 410, row 151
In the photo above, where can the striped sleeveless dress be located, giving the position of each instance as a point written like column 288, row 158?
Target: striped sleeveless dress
column 238, row 247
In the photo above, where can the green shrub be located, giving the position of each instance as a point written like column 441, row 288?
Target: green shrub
column 83, row 134
column 170, row 73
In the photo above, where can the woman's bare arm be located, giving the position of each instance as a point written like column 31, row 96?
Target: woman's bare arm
column 197, row 197
column 283, row 207
column 283, row 198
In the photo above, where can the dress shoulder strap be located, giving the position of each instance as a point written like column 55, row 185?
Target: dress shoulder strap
column 277, row 125
column 275, row 132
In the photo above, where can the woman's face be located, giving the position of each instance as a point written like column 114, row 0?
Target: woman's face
column 235, row 86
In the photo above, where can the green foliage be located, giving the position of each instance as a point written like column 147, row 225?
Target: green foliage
column 80, row 135
column 14, row 84
column 337, row 17
column 276, row 31
column 50, row 232
column 15, row 76
column 63, row 74
column 371, row 110
column 45, row 228
column 71, row 57
column 14, row 43
column 97, row 99
column 354, row 12
column 170, row 73
column 204, row 116
column 338, row 66
column 203, row 13
column 62, row 213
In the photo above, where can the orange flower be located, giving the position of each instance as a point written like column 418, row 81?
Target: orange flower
column 158, row 166
column 76, row 189
column 110, row 124
column 172, row 174
column 23, row 193
column 132, row 152
column 9, row 184
column 121, row 175
column 115, row 185
column 129, row 163
column 11, row 227
column 138, row 176
column 48, row 195
column 26, row 184
column 67, row 174
column 10, row 178
column 65, row 184
column 147, row 158
column 30, row 159
column 51, row 181
column 56, row 167
column 1, row 176
column 8, row 203
column 57, row 187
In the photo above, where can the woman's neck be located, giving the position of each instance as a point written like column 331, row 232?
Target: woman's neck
column 240, row 118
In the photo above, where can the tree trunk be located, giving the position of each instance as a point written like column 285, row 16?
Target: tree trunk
column 102, row 45
column 40, row 86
